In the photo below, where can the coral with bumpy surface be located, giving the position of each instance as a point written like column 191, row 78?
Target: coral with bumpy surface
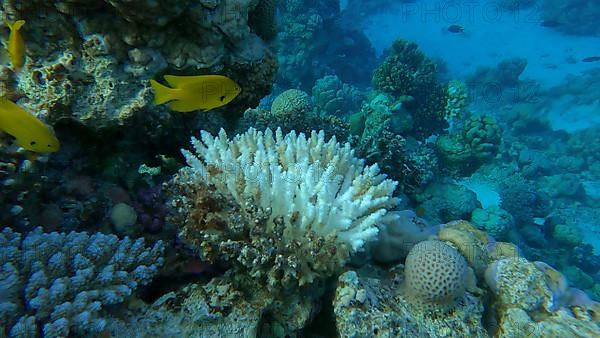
column 407, row 72
column 294, row 103
column 469, row 148
column 334, row 97
column 283, row 209
column 367, row 304
column 483, row 135
column 57, row 283
column 436, row 274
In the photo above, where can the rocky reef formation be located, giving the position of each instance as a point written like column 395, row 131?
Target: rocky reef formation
column 306, row 55
column 500, row 294
column 79, row 67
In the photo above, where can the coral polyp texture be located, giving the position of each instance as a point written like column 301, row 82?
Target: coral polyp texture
column 436, row 274
column 285, row 209
column 56, row 284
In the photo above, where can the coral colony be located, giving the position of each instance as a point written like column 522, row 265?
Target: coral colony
column 342, row 180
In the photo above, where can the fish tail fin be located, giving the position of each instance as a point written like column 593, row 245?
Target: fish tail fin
column 162, row 93
column 16, row 26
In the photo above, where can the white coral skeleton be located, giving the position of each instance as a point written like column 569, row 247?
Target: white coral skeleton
column 312, row 184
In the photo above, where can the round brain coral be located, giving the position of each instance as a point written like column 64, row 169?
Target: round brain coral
column 436, row 274
column 292, row 102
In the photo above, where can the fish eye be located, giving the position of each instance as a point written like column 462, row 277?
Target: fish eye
column 32, row 143
column 49, row 146
column 222, row 98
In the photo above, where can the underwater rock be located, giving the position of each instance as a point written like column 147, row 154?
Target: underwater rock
column 98, row 74
column 397, row 238
column 210, row 310
column 534, row 299
column 493, row 220
column 370, row 305
column 469, row 241
column 444, row 202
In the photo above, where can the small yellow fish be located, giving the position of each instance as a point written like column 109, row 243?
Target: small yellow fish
column 201, row 92
column 31, row 133
column 16, row 45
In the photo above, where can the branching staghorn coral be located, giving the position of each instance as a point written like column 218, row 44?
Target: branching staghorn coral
column 57, row 283
column 283, row 209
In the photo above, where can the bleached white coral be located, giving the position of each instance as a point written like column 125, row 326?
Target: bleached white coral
column 311, row 183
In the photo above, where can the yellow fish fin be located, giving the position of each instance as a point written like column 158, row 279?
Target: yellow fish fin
column 16, row 26
column 184, row 106
column 180, row 81
column 162, row 93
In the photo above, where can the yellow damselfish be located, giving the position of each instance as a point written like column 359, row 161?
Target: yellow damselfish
column 201, row 92
column 16, row 45
column 31, row 133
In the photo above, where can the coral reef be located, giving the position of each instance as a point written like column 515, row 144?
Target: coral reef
column 285, row 211
column 369, row 305
column 377, row 126
column 397, row 238
column 519, row 296
column 410, row 76
column 209, row 310
column 477, row 142
column 435, row 275
column 314, row 43
column 333, row 97
column 58, row 283
column 96, row 72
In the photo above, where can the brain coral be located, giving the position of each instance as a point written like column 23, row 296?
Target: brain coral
column 436, row 274
column 292, row 103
